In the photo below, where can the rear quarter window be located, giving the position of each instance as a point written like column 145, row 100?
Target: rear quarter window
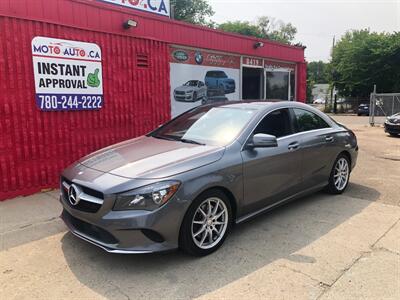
column 307, row 120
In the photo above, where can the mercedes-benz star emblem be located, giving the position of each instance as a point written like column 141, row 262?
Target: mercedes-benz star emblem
column 73, row 194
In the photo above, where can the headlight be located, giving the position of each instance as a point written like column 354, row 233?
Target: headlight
column 149, row 197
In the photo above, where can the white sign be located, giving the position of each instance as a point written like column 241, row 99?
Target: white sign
column 68, row 74
column 159, row 7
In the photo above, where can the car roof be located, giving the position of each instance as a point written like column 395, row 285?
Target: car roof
column 261, row 105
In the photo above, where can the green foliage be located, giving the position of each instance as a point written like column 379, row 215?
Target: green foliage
column 363, row 58
column 276, row 30
column 318, row 72
column 241, row 27
column 265, row 27
column 310, row 86
column 193, row 11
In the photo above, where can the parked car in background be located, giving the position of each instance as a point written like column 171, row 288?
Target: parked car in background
column 191, row 91
column 363, row 110
column 392, row 125
column 186, row 183
column 319, row 101
column 219, row 80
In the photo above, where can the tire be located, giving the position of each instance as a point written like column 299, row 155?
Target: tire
column 340, row 175
column 194, row 237
column 393, row 134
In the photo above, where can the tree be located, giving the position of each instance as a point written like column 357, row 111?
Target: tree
column 318, row 72
column 363, row 58
column 264, row 27
column 193, row 11
column 241, row 27
column 276, row 30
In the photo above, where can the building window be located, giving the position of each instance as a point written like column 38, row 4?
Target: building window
column 277, row 85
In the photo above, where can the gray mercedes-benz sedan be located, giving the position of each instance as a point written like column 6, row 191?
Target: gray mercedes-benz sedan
column 186, row 183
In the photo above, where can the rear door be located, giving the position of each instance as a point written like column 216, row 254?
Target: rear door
column 317, row 142
column 272, row 174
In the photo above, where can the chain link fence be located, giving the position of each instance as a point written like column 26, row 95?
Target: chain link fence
column 382, row 106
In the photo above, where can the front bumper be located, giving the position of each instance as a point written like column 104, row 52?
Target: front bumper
column 126, row 232
column 184, row 98
column 229, row 89
column 392, row 128
column 88, row 238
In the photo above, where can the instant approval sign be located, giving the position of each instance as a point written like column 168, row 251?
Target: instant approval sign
column 68, row 74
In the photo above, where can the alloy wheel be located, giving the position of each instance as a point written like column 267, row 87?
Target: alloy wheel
column 341, row 173
column 209, row 223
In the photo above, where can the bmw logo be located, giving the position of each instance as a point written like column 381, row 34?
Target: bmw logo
column 198, row 57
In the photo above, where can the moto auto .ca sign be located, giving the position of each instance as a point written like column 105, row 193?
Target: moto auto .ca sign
column 159, row 7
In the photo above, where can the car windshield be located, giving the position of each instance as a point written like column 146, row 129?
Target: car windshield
column 217, row 74
column 207, row 125
column 191, row 83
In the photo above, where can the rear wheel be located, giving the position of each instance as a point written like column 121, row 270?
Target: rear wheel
column 340, row 175
column 206, row 224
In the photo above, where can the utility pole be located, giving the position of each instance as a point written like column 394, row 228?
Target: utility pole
column 333, row 71
column 172, row 11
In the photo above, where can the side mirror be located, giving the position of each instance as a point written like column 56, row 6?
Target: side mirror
column 261, row 140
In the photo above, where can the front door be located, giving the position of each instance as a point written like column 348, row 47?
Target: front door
column 272, row 174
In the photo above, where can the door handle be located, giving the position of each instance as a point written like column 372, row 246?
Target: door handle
column 329, row 139
column 293, row 146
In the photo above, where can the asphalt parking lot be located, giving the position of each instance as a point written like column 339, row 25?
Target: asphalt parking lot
column 319, row 247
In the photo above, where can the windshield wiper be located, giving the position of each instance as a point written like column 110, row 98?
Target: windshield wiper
column 163, row 138
column 188, row 141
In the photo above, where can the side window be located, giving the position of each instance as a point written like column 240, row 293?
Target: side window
column 276, row 123
column 307, row 120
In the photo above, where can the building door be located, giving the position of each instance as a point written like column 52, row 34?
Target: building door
column 252, row 83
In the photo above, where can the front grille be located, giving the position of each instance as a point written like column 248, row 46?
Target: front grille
column 85, row 189
column 85, row 206
column 179, row 93
column 90, row 230
column 392, row 128
column 82, row 205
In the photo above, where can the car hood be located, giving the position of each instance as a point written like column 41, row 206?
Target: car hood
column 185, row 88
column 151, row 158
column 394, row 119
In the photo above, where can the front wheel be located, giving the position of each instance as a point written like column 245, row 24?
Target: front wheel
column 206, row 224
column 340, row 175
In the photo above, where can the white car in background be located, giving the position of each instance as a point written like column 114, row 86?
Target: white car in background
column 319, row 101
column 191, row 91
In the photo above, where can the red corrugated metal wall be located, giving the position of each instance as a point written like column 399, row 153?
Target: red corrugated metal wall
column 100, row 16
column 301, row 82
column 35, row 145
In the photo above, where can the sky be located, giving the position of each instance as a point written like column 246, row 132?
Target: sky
column 317, row 21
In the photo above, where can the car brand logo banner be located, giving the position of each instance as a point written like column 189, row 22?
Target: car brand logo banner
column 205, row 58
column 68, row 74
column 159, row 7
